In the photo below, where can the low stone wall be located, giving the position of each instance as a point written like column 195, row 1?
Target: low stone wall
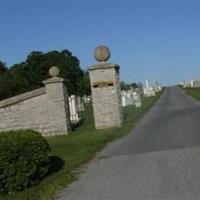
column 44, row 110
column 25, row 111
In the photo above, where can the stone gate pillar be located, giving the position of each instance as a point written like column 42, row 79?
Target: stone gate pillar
column 106, row 93
column 57, row 100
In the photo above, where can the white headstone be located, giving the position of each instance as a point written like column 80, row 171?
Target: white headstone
column 73, row 109
column 80, row 104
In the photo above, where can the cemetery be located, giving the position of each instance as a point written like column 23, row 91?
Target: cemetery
column 107, row 114
column 70, row 128
column 191, row 87
column 194, row 83
column 131, row 97
column 194, row 92
column 51, row 111
column 99, row 100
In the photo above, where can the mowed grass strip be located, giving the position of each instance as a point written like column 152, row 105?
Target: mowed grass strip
column 194, row 92
column 78, row 148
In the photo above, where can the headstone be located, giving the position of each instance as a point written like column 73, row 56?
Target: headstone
column 80, row 104
column 73, row 109
column 148, row 90
column 106, row 94
column 187, row 84
column 129, row 98
column 137, row 99
column 86, row 99
column 123, row 101
column 196, row 83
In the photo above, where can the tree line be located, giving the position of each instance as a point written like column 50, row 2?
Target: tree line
column 128, row 86
column 29, row 74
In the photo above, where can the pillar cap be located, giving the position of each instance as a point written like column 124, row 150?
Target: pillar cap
column 102, row 53
column 54, row 71
column 54, row 80
column 103, row 65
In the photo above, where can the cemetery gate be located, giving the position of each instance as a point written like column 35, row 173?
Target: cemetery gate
column 81, row 112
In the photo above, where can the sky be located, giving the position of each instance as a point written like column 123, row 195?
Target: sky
column 154, row 40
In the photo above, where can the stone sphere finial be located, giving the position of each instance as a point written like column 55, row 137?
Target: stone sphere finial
column 102, row 53
column 54, row 71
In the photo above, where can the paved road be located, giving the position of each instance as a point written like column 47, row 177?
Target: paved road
column 158, row 160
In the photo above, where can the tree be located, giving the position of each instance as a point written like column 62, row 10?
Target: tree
column 84, row 84
column 37, row 64
column 29, row 75
column 4, row 79
column 127, row 86
column 134, row 85
column 2, row 67
column 124, row 86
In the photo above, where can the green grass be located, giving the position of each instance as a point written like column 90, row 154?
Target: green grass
column 78, row 148
column 194, row 92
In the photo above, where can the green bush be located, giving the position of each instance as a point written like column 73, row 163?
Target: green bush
column 24, row 159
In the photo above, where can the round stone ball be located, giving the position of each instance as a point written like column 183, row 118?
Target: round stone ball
column 102, row 53
column 54, row 71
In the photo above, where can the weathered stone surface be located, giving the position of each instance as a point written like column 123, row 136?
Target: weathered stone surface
column 58, row 109
column 103, row 65
column 54, row 71
column 44, row 110
column 22, row 97
column 102, row 53
column 106, row 95
column 31, row 113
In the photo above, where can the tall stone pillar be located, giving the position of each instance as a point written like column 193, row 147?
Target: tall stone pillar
column 58, row 107
column 106, row 93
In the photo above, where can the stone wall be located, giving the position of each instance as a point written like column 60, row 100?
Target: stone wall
column 44, row 110
column 25, row 111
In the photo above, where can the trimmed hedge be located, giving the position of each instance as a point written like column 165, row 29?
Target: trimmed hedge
column 24, row 159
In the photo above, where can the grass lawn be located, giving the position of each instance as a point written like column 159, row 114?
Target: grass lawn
column 194, row 92
column 78, row 148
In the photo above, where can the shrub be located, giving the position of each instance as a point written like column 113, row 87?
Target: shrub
column 24, row 159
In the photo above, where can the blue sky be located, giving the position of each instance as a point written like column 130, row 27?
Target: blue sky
column 155, row 40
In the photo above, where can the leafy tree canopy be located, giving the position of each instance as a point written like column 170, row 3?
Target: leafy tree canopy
column 2, row 67
column 128, row 86
column 28, row 75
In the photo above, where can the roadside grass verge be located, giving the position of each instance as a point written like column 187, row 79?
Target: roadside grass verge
column 194, row 92
column 78, row 148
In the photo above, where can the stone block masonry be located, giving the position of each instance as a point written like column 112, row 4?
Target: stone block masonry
column 25, row 111
column 106, row 93
column 44, row 110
